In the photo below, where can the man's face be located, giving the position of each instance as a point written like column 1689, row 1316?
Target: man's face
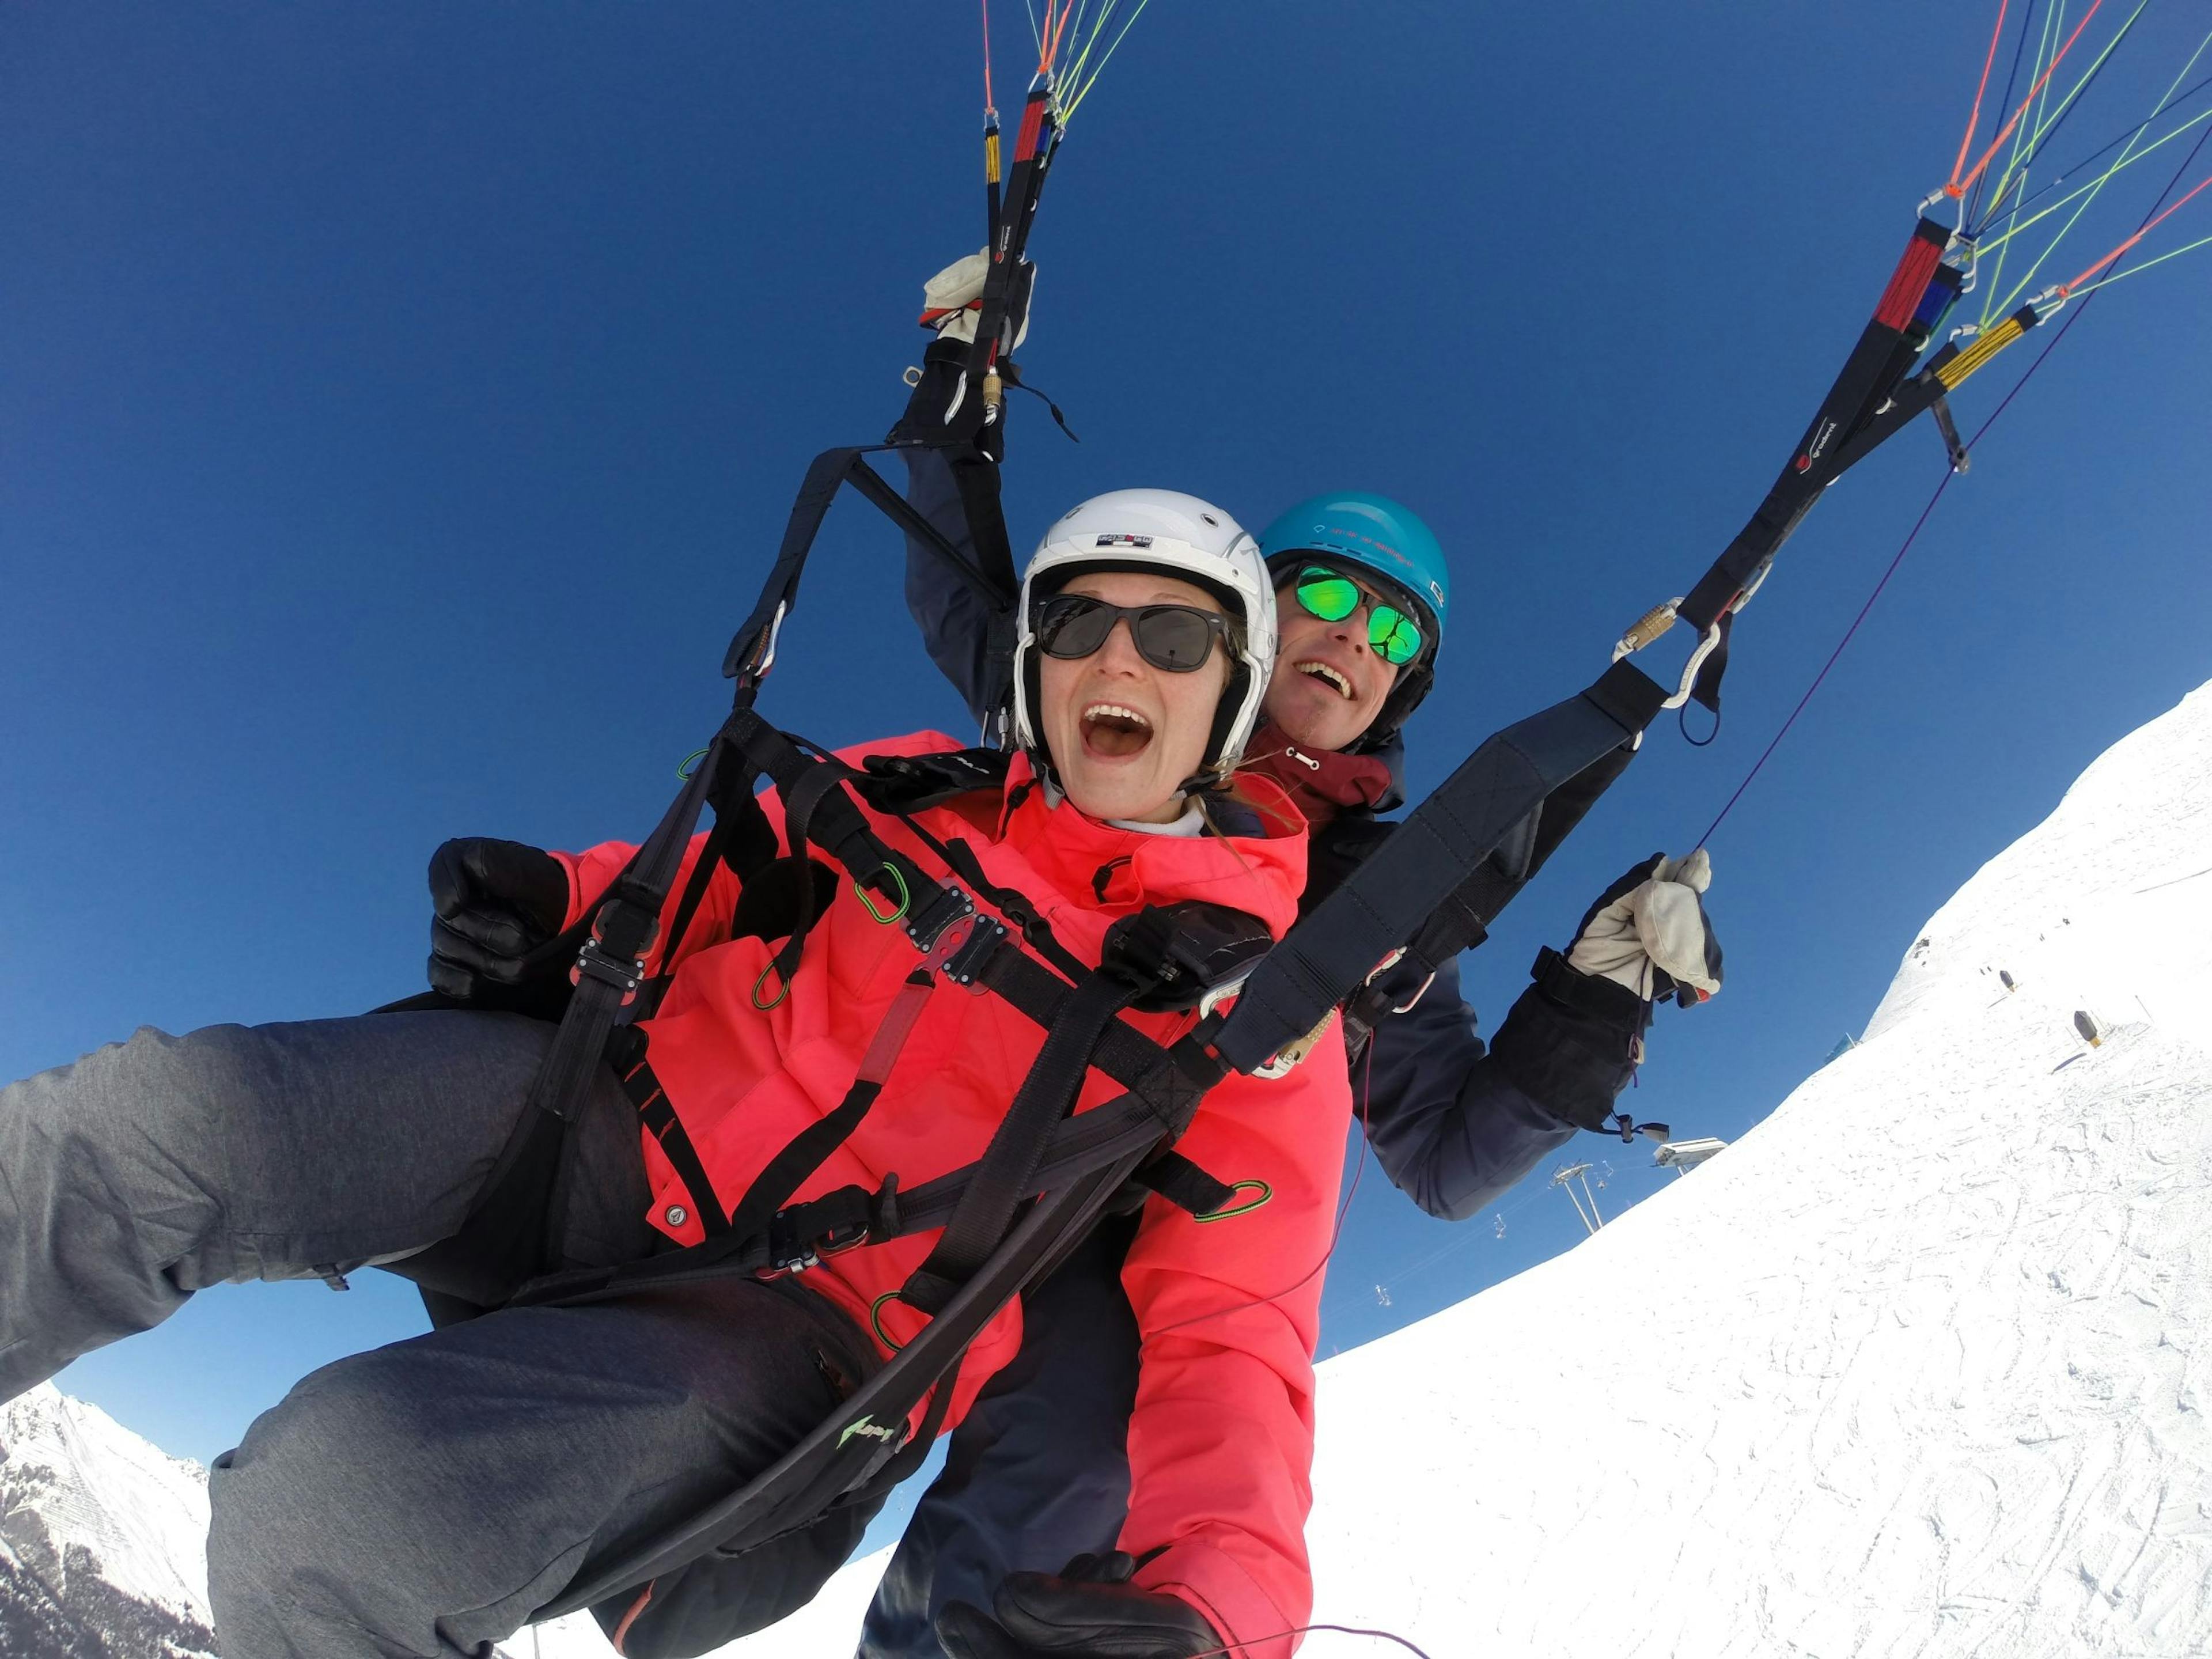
column 1328, row 685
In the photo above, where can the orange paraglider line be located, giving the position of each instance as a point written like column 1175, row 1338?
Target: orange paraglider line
column 2149, row 225
column 1958, row 187
column 989, row 102
column 1974, row 119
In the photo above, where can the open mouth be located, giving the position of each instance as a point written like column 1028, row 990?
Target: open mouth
column 1328, row 676
column 1114, row 731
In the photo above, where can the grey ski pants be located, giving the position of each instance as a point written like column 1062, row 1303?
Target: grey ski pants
column 426, row 1499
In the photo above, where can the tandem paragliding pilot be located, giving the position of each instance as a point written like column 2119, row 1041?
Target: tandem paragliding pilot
column 434, row 1496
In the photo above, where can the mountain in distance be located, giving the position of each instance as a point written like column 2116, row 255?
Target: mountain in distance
column 102, row 1539
column 1919, row 1368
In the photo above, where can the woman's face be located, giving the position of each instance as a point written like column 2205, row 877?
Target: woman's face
column 1123, row 734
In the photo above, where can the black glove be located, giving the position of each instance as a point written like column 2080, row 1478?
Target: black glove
column 493, row 902
column 1090, row 1610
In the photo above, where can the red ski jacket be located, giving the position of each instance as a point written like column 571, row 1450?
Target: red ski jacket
column 1221, row 1442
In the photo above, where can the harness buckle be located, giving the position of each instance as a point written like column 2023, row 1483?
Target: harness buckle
column 634, row 928
column 926, row 924
column 797, row 1240
column 965, row 962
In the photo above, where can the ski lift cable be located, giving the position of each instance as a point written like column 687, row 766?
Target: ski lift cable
column 2073, row 316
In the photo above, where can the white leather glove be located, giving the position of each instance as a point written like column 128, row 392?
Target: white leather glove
column 1649, row 932
column 952, row 300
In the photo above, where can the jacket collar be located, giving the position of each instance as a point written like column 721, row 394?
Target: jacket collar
column 1097, row 866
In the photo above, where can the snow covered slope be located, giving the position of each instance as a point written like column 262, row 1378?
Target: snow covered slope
column 1920, row 1367
column 102, row 1538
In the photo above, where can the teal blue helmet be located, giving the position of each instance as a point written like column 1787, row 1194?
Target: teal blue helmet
column 1383, row 540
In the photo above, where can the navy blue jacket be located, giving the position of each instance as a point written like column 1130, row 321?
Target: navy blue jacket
column 1453, row 1124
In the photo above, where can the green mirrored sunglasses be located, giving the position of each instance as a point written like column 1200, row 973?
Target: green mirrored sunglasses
column 1396, row 637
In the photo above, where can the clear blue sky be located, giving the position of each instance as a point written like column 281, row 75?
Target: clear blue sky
column 398, row 405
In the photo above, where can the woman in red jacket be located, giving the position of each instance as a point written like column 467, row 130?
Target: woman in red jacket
column 430, row 1497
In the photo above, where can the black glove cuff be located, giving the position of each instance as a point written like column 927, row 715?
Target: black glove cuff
column 925, row 421
column 1592, row 994
column 1571, row 1043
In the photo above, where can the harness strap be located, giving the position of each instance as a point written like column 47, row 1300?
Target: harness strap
column 1001, row 1179
column 1851, row 407
column 808, row 1150
column 654, row 1111
column 1494, row 802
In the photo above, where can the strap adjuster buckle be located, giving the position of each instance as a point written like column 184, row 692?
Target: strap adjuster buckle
column 624, row 974
column 804, row 1236
column 926, row 924
column 967, row 960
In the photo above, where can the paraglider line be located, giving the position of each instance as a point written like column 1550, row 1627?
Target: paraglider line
column 1974, row 118
column 2099, row 154
column 2012, row 80
column 1958, row 187
column 989, row 102
column 2047, row 130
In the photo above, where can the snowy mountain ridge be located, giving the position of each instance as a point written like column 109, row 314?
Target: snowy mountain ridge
column 102, row 1538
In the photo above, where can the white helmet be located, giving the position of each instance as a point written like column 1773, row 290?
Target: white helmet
column 1193, row 540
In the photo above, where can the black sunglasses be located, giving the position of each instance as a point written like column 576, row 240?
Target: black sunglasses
column 1177, row 638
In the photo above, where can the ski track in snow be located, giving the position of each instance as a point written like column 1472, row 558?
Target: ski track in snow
column 1916, row 1370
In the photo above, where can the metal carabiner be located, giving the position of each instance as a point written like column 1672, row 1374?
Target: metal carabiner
column 1654, row 622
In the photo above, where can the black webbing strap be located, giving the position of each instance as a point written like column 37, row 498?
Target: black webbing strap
column 1184, row 1184
column 751, row 648
column 1006, row 282
column 1001, row 1179
column 1868, row 376
column 780, row 1498
column 808, row 1150
column 1123, row 1131
column 1496, row 790
column 628, row 1055
column 742, row 839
